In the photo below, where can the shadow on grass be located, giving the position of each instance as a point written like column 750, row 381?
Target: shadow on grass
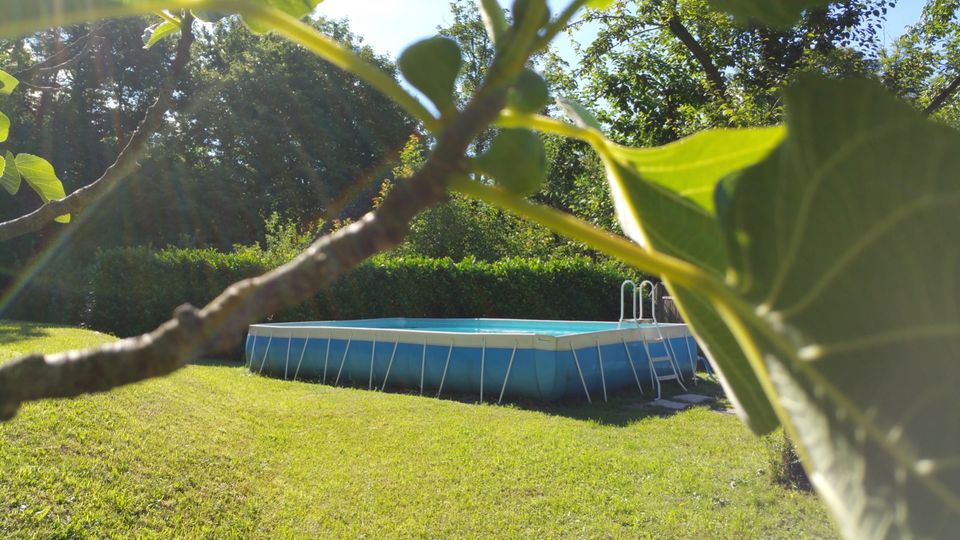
column 621, row 409
column 626, row 407
column 217, row 362
column 14, row 331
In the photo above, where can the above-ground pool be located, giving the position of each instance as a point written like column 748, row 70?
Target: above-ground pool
column 491, row 358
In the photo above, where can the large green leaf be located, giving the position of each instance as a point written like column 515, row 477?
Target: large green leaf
column 770, row 12
column 40, row 176
column 844, row 245
column 10, row 177
column 653, row 213
column 692, row 166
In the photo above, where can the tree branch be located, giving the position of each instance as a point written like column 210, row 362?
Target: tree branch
column 126, row 162
column 86, row 40
column 713, row 74
column 56, row 56
column 192, row 332
column 941, row 99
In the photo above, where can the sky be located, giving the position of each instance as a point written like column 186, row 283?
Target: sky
column 905, row 13
column 391, row 25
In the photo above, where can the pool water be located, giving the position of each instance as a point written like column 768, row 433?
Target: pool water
column 477, row 326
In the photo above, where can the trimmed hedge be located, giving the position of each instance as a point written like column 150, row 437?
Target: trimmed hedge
column 135, row 289
column 54, row 293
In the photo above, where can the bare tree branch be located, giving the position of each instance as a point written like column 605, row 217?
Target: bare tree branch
column 126, row 162
column 941, row 99
column 713, row 74
column 86, row 40
column 56, row 57
column 193, row 332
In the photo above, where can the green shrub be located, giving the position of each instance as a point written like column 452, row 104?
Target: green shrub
column 50, row 289
column 134, row 289
column 785, row 465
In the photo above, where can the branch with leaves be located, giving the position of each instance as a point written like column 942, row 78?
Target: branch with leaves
column 125, row 163
column 942, row 97
column 59, row 60
column 193, row 332
column 678, row 29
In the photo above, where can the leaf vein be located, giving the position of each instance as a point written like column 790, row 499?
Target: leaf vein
column 806, row 202
column 855, row 251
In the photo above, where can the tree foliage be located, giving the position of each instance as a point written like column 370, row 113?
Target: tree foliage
column 284, row 129
column 258, row 126
column 669, row 69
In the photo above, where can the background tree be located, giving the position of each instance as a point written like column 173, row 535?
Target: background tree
column 923, row 65
column 258, row 126
column 666, row 69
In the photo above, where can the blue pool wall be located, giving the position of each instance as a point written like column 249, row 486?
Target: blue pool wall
column 536, row 373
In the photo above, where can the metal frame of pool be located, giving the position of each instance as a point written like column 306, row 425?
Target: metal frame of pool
column 493, row 358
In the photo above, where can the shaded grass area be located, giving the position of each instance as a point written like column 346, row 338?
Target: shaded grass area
column 213, row 451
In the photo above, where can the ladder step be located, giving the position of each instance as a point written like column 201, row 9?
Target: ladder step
column 666, row 377
column 661, row 359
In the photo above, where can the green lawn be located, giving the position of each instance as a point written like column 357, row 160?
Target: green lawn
column 213, row 451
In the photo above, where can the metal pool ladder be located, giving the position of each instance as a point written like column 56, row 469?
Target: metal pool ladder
column 670, row 356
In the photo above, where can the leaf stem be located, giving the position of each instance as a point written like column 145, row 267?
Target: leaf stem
column 493, row 19
column 169, row 18
column 675, row 269
column 546, row 124
column 518, row 44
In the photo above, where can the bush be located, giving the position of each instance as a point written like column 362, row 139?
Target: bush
column 134, row 289
column 785, row 465
column 52, row 290
column 462, row 228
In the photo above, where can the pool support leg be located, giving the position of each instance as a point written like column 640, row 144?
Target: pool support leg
column 445, row 366
column 305, row 343
column 373, row 353
column 673, row 357
column 603, row 378
column 632, row 367
column 507, row 376
column 265, row 351
column 580, row 372
column 253, row 352
column 423, row 364
column 483, row 356
column 390, row 365
column 286, row 364
column 693, row 360
column 326, row 358
column 342, row 362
